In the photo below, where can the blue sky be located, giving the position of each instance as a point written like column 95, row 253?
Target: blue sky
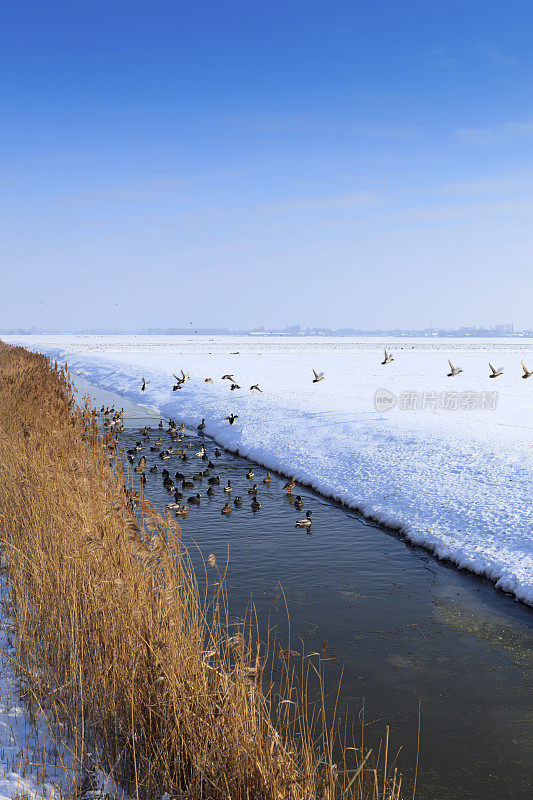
column 232, row 163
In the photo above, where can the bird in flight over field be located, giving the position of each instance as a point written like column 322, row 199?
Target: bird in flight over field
column 495, row 372
column 453, row 370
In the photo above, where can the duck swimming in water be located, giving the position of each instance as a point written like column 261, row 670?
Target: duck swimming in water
column 253, row 490
column 255, row 505
column 227, row 509
column 298, row 503
column 237, row 502
column 305, row 522
column 228, row 487
column 268, row 479
column 141, row 466
column 201, row 426
column 289, row 486
column 195, row 500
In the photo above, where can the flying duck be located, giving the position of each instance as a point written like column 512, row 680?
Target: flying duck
column 231, row 419
column 255, row 388
column 495, row 372
column 319, row 376
column 526, row 374
column 388, row 358
column 453, row 370
column 145, row 384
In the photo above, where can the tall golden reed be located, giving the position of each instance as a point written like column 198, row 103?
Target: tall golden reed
column 132, row 665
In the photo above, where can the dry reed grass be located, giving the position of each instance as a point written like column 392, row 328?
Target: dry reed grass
column 115, row 642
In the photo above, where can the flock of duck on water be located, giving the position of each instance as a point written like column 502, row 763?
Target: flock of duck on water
column 114, row 421
column 180, row 482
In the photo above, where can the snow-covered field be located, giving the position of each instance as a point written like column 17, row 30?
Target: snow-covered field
column 450, row 464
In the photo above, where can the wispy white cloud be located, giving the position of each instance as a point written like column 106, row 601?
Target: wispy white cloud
column 514, row 183
column 344, row 202
column 392, row 131
column 442, row 58
column 496, row 134
column 306, row 123
column 497, row 55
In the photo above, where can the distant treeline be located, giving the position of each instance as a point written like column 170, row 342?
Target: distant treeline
column 293, row 331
